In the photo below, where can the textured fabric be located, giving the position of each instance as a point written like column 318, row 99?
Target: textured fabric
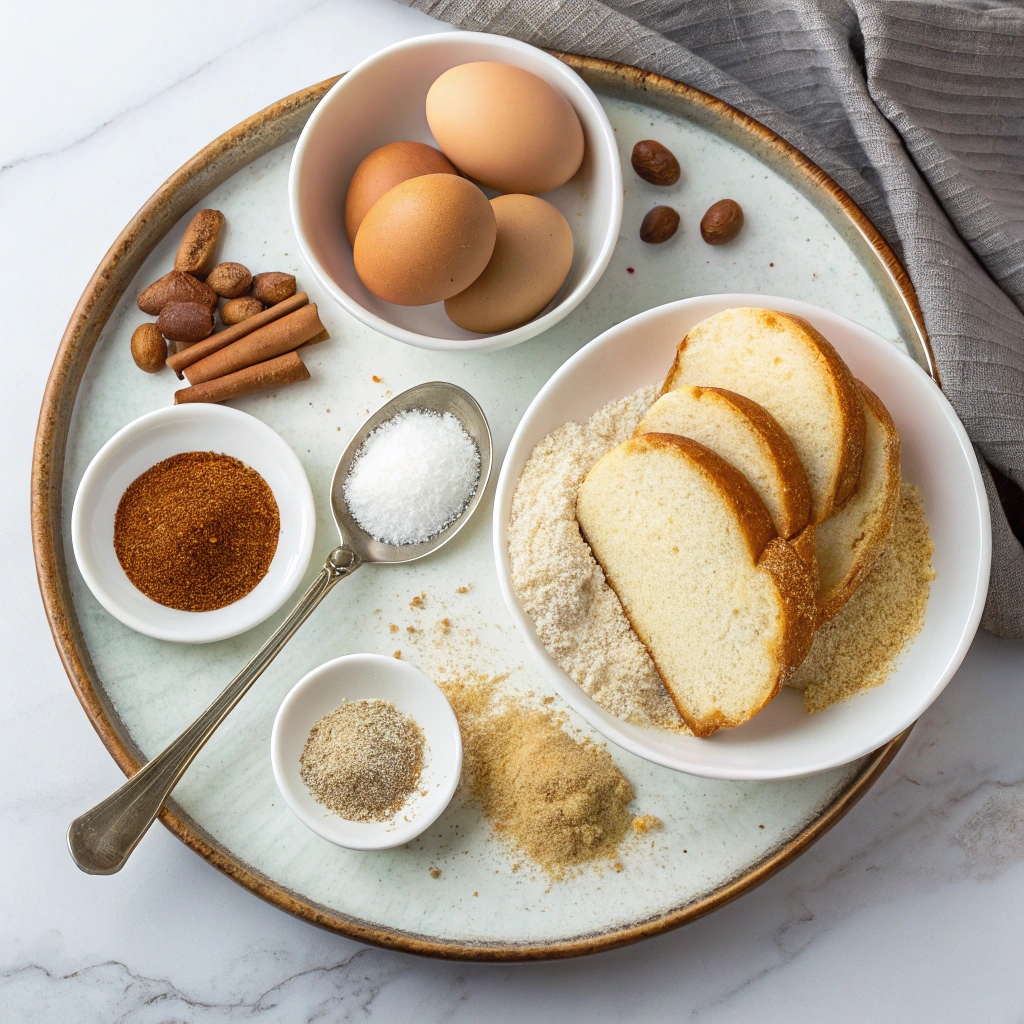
column 916, row 108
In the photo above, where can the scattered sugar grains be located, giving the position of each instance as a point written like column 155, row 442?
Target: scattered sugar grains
column 560, row 800
column 363, row 760
column 859, row 648
column 412, row 477
column 577, row 615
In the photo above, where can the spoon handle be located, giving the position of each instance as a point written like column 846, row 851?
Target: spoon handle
column 102, row 839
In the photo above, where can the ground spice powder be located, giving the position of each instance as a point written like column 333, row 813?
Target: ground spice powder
column 363, row 760
column 197, row 531
column 559, row 800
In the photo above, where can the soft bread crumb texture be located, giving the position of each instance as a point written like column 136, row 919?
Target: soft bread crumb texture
column 680, row 535
column 782, row 363
column 861, row 646
column 746, row 436
column 853, row 538
column 578, row 617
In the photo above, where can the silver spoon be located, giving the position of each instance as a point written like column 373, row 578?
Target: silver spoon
column 102, row 839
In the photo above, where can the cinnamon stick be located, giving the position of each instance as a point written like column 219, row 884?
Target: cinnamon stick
column 222, row 339
column 274, row 373
column 281, row 336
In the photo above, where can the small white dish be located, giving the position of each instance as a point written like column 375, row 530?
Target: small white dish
column 366, row 677
column 382, row 100
column 782, row 741
column 151, row 439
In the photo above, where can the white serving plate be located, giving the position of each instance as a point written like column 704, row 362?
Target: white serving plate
column 139, row 446
column 140, row 692
column 382, row 100
column 784, row 742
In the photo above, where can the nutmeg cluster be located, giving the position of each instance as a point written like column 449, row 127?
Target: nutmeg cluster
column 657, row 165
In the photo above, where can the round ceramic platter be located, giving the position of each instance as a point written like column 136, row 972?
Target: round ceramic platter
column 452, row 892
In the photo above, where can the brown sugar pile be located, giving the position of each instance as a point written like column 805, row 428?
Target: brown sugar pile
column 363, row 760
column 859, row 648
column 197, row 531
column 559, row 800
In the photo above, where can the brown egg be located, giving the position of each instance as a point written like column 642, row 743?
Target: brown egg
column 531, row 259
column 427, row 239
column 505, row 127
column 382, row 170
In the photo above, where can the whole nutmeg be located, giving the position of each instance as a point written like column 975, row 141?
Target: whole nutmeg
column 654, row 163
column 174, row 286
column 722, row 222
column 149, row 350
column 186, row 321
column 198, row 246
column 229, row 280
column 659, row 225
column 273, row 287
column 237, row 310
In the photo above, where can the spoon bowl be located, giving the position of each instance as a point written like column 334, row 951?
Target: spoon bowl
column 435, row 396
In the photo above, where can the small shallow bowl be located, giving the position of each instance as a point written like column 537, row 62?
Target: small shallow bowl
column 382, row 100
column 782, row 741
column 151, row 439
column 364, row 677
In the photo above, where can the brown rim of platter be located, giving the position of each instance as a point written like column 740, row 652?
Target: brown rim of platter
column 281, row 123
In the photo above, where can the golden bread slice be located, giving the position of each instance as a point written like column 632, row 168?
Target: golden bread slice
column 853, row 538
column 725, row 607
column 786, row 366
column 746, row 435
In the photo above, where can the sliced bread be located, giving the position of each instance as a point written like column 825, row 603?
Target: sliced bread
column 853, row 538
column 724, row 606
column 786, row 366
column 746, row 435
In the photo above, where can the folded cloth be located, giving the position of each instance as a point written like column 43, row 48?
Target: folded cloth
column 916, row 108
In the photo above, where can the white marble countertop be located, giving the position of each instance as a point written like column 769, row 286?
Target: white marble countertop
column 912, row 908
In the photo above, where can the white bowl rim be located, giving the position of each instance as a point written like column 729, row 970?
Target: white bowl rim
column 486, row 342
column 402, row 833
column 110, row 452
column 583, row 704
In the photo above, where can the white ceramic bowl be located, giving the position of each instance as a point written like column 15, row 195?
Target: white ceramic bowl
column 364, row 677
column 782, row 741
column 382, row 100
column 151, row 439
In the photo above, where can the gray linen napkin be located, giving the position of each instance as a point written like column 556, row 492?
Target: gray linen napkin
column 916, row 108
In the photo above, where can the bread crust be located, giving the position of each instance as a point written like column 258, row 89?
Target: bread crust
column 793, row 580
column 851, row 413
column 791, row 469
column 795, row 510
column 805, row 544
column 841, row 383
column 795, row 585
column 876, row 540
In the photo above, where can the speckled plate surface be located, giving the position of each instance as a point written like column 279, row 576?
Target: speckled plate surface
column 719, row 838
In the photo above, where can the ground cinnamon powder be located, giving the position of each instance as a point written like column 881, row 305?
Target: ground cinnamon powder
column 197, row 531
